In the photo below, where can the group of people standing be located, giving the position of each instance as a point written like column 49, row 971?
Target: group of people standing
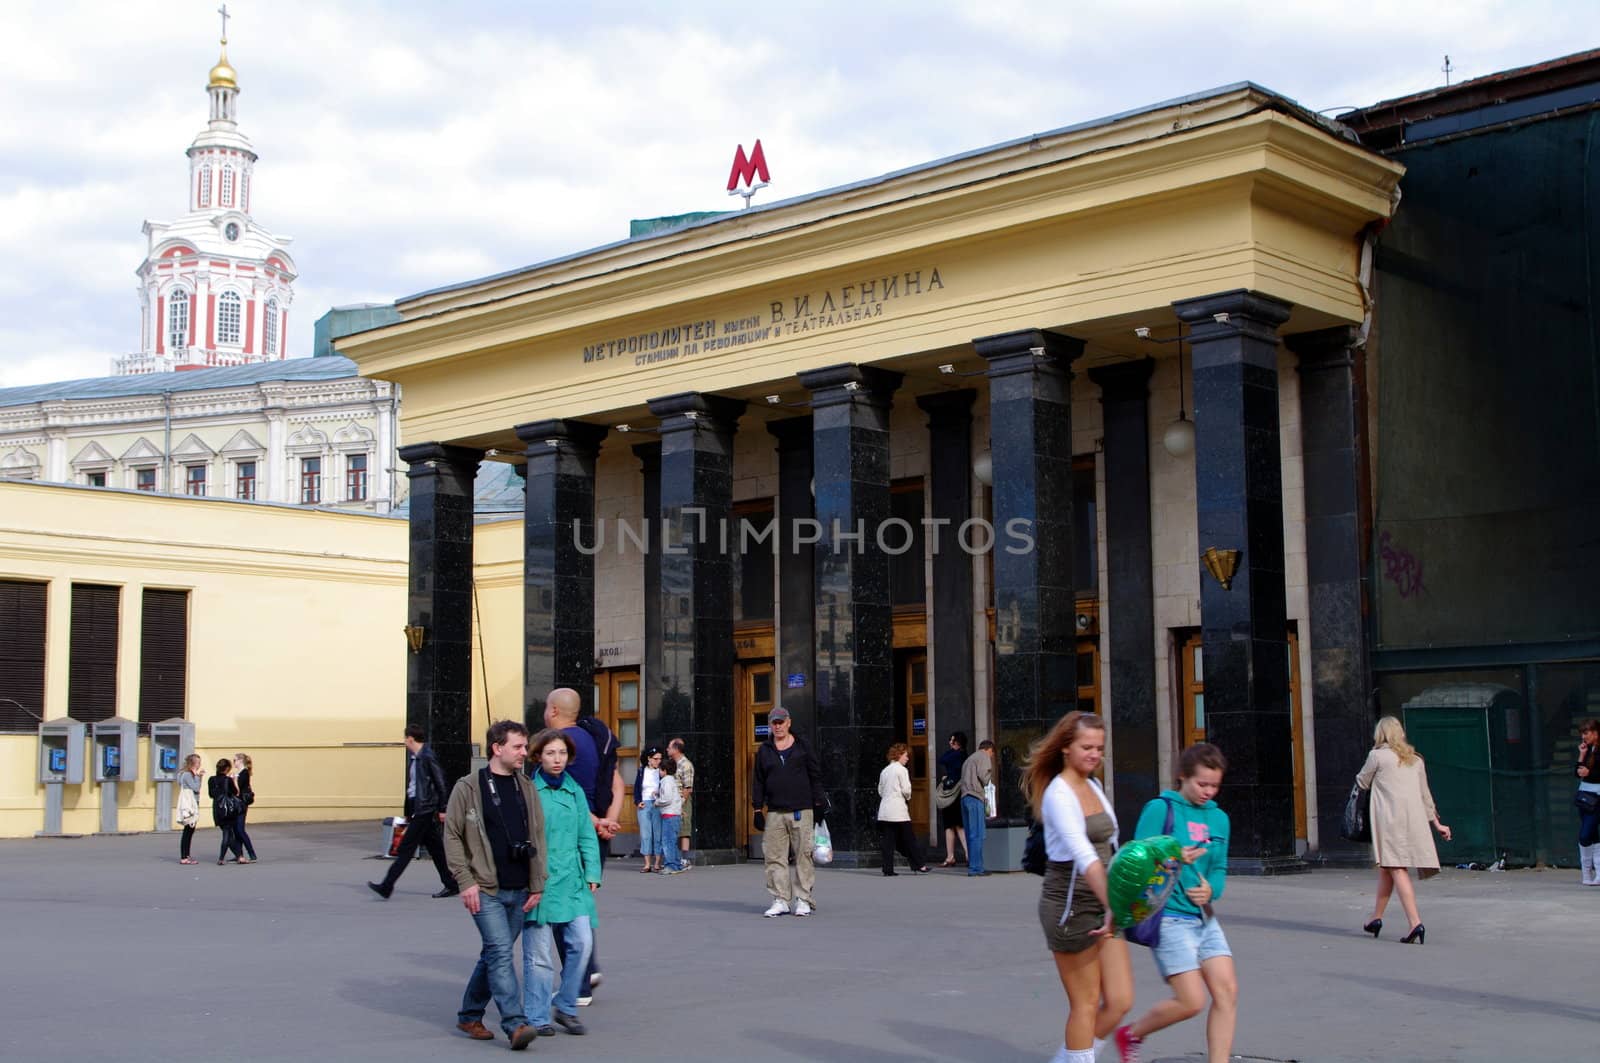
column 232, row 792
column 663, row 792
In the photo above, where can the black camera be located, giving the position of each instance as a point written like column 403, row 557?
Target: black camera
column 522, row 850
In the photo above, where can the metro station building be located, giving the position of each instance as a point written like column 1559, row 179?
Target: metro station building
column 883, row 374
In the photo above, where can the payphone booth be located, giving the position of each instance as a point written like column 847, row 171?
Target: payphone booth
column 171, row 742
column 114, row 745
column 60, row 765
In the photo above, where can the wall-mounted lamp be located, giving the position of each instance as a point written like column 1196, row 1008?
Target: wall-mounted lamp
column 949, row 369
column 777, row 400
column 983, row 467
column 1222, row 564
column 414, row 636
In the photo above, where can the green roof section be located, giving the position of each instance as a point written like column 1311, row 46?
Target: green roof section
column 106, row 387
column 344, row 321
column 651, row 226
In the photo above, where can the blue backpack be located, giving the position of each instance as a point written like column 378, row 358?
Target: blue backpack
column 605, row 744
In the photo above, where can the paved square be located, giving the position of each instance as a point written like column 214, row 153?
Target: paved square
column 114, row 950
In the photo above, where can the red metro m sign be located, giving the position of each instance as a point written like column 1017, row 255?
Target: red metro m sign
column 748, row 170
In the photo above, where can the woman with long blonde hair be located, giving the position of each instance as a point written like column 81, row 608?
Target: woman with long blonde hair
column 1080, row 834
column 1402, row 810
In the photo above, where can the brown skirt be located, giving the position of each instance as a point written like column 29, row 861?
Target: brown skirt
column 1072, row 934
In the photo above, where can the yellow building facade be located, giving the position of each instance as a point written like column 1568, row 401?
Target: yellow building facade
column 294, row 649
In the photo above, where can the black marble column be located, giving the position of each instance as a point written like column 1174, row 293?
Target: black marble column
column 796, row 572
column 1030, row 441
column 557, row 572
column 439, row 675
column 649, row 455
column 1341, row 669
column 950, row 490
column 1130, row 608
column 854, row 617
column 693, row 681
column 1239, row 499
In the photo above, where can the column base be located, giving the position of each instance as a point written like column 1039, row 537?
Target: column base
column 1348, row 856
column 1267, row 865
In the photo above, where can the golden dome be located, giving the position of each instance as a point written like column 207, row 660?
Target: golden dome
column 223, row 75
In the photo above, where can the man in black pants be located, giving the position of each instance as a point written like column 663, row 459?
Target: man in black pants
column 425, row 799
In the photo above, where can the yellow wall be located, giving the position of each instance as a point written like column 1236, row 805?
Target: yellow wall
column 295, row 650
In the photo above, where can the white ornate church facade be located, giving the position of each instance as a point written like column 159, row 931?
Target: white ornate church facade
column 212, row 406
column 215, row 285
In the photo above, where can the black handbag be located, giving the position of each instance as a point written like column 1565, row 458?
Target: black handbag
column 227, row 807
column 1034, row 858
column 1586, row 802
column 1357, row 824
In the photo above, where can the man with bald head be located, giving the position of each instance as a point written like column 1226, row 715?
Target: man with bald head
column 593, row 767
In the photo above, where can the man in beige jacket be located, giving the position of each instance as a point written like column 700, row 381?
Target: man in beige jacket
column 494, row 843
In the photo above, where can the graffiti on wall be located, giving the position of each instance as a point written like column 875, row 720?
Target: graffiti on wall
column 1400, row 567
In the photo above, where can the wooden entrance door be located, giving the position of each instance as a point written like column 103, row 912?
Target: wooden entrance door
column 756, row 689
column 616, row 704
column 1192, row 687
column 915, row 710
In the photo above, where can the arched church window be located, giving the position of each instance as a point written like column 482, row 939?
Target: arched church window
column 178, row 319
column 205, row 186
column 227, row 186
column 244, row 192
column 270, row 328
column 228, row 318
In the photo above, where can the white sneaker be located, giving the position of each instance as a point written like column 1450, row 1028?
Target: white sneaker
column 780, row 908
column 802, row 909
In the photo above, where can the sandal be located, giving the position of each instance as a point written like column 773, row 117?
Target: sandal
column 188, row 860
column 646, row 869
column 948, row 863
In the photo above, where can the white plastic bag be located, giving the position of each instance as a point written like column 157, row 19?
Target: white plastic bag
column 991, row 799
column 821, row 844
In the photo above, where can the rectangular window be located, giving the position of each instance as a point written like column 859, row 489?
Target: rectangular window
column 163, row 655
column 753, row 598
column 1085, row 529
column 22, row 616
column 310, row 480
column 194, row 482
column 247, row 480
column 144, row 479
column 95, row 479
column 355, row 477
column 907, row 568
column 92, row 653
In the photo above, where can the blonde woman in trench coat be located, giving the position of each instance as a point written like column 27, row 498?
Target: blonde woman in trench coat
column 1402, row 811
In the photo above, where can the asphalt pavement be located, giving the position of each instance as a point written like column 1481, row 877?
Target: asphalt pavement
column 112, row 949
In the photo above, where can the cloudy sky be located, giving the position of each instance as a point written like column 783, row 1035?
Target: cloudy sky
column 408, row 146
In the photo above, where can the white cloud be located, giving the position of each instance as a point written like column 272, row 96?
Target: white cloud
column 408, row 146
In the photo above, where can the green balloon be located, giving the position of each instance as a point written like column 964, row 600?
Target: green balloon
column 1143, row 873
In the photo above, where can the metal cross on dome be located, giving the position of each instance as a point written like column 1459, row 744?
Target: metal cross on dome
column 223, row 11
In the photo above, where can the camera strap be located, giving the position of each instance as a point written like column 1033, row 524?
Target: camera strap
column 499, row 812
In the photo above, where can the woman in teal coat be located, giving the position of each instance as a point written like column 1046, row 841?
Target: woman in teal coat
column 566, row 911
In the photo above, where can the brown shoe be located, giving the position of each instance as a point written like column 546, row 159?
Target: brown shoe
column 522, row 1037
column 476, row 1030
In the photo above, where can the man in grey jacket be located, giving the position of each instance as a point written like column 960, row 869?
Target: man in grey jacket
column 976, row 773
column 494, row 841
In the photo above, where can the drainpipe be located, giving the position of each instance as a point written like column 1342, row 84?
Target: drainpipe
column 389, row 459
column 166, row 445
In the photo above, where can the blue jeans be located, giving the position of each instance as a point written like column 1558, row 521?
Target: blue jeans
column 974, row 813
column 539, row 967
column 499, row 921
column 667, row 841
column 1187, row 943
column 649, row 830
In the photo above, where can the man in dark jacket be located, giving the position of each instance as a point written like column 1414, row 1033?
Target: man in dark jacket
column 425, row 801
column 788, row 784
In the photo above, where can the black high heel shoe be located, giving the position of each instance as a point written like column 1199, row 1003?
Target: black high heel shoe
column 1373, row 927
column 1418, row 934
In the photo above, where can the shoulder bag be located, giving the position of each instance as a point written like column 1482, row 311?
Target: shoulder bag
column 1357, row 823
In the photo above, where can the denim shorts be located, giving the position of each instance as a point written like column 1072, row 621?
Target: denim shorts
column 1187, row 943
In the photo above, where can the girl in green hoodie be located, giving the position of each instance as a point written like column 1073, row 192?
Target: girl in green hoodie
column 1193, row 955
